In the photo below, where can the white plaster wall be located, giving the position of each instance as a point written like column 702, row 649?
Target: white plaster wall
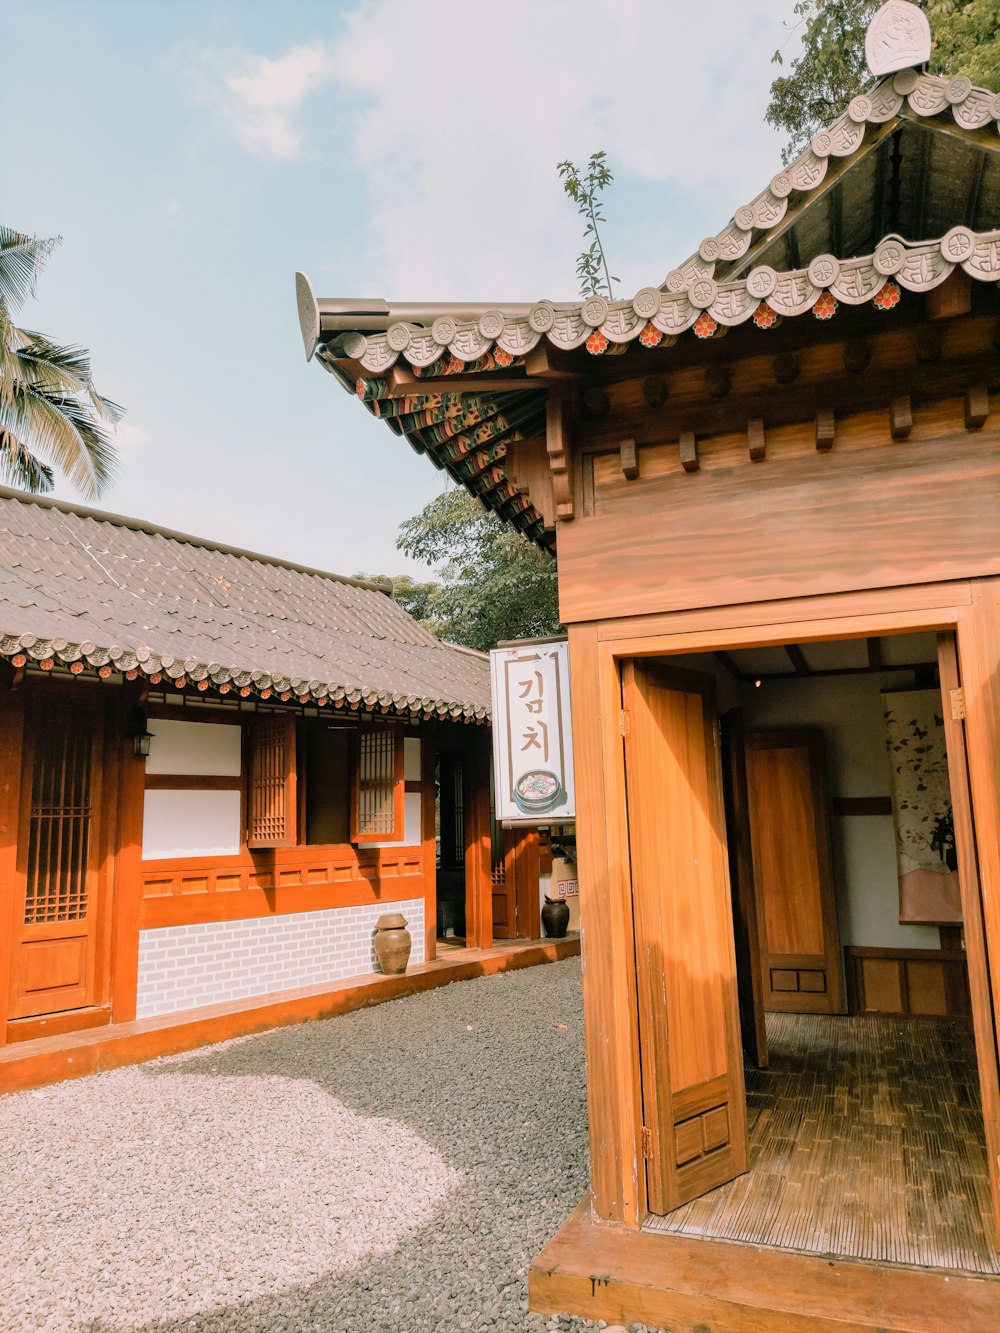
column 848, row 710
column 190, row 823
column 194, row 747
column 411, row 799
column 184, row 967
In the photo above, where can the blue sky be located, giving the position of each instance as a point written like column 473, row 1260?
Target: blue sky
column 193, row 155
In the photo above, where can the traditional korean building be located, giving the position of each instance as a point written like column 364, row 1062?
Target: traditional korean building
column 218, row 770
column 773, row 483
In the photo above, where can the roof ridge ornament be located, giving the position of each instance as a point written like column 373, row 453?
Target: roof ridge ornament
column 898, row 37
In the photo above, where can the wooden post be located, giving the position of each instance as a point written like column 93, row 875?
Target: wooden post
column 428, row 840
column 478, row 829
column 11, row 742
column 979, row 659
column 125, row 884
column 609, row 1001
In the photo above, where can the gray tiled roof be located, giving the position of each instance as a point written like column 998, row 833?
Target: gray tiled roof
column 79, row 586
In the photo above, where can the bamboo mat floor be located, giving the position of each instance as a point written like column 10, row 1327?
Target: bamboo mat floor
column 866, row 1142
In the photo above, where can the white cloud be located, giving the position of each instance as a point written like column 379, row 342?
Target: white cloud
column 464, row 118
column 263, row 97
column 460, row 120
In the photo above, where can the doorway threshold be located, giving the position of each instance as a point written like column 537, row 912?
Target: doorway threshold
column 690, row 1284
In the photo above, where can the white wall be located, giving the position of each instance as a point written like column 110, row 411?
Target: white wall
column 192, row 823
column 194, row 747
column 848, row 710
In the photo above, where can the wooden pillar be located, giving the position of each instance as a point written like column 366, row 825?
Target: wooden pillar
column 979, row 657
column 428, row 839
column 11, row 741
column 609, row 1001
column 478, row 829
column 126, row 883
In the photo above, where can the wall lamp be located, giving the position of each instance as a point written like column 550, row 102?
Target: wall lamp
column 136, row 728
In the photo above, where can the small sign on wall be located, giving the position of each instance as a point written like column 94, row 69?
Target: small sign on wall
column 532, row 734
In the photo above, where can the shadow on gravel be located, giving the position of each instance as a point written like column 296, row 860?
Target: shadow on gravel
column 491, row 1074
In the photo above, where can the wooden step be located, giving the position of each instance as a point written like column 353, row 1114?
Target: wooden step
column 702, row 1286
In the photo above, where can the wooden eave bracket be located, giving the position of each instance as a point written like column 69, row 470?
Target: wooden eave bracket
column 977, row 406
column 629, row 459
column 826, row 429
column 756, row 443
column 557, row 445
column 900, row 417
column 690, row 461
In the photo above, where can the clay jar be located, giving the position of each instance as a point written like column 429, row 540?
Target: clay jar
column 392, row 943
column 555, row 917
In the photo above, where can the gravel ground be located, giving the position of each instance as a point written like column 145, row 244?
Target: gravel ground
column 395, row 1169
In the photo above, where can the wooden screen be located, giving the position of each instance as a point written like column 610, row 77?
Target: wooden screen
column 54, row 954
column 271, row 801
column 56, row 887
column 797, row 927
column 378, row 789
column 694, row 1113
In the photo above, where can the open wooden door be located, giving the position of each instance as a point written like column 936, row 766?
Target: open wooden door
column 987, row 1047
column 797, row 923
column 694, row 1112
column 748, row 955
column 54, row 964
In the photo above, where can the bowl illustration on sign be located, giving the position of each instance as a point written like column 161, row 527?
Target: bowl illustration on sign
column 538, row 791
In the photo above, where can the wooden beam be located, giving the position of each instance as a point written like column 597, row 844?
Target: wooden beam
column 900, row 417
column 798, row 661
column 874, row 653
column 557, row 444
column 724, row 659
column 952, row 298
column 403, row 383
column 689, row 451
column 630, row 460
column 755, row 440
column 857, row 355
column 977, row 406
column 717, row 381
column 826, row 429
column 552, row 363
column 596, row 404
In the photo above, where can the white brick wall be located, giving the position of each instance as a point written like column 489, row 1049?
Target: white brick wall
column 182, row 967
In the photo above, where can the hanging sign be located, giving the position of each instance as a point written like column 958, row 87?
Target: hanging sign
column 532, row 737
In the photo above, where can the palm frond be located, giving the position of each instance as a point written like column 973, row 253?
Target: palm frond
column 21, row 259
column 19, row 466
column 63, row 431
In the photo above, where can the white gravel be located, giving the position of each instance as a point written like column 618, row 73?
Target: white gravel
column 395, row 1169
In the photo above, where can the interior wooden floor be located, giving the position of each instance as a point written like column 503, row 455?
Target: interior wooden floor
column 866, row 1142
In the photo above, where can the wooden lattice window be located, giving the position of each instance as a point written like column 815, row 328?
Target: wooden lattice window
column 271, row 803
column 60, row 820
column 378, row 788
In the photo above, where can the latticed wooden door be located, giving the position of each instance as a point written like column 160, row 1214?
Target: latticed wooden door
column 58, row 863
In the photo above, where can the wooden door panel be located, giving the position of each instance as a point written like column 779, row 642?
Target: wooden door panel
column 54, row 955
column 798, row 932
column 692, row 1070
column 748, row 960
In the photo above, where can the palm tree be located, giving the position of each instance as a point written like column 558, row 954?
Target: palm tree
column 51, row 416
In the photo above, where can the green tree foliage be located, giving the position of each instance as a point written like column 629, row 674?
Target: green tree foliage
column 493, row 583
column 51, row 416
column 585, row 188
column 830, row 69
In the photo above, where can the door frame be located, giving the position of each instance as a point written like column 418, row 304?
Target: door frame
column 969, row 610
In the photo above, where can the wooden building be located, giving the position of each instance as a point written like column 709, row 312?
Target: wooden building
column 773, row 483
column 315, row 758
